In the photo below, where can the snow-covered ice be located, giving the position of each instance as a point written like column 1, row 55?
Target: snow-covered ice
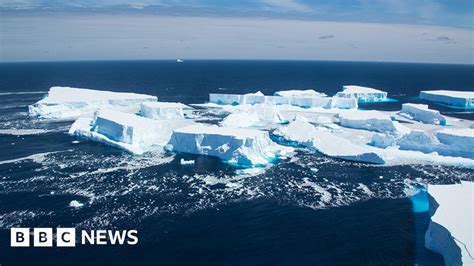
column 71, row 103
column 300, row 93
column 130, row 132
column 362, row 94
column 462, row 99
column 236, row 146
column 450, row 231
column 371, row 120
column 327, row 143
column 304, row 102
column 421, row 112
column 163, row 110
column 258, row 115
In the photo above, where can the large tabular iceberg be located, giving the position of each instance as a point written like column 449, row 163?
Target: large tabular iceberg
column 362, row 94
column 421, row 112
column 236, row 146
column 305, row 102
column 130, row 132
column 163, row 110
column 71, row 103
column 462, row 99
column 300, row 93
column 327, row 143
column 450, row 232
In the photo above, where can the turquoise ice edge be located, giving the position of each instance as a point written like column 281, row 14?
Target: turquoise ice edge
column 420, row 201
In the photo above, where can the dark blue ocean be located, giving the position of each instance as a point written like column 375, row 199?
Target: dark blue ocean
column 305, row 210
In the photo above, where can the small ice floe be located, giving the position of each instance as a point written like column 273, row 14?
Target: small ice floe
column 75, row 204
column 186, row 162
column 75, row 142
column 179, row 60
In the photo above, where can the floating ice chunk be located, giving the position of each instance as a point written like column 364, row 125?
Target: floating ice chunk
column 457, row 142
column 362, row 94
column 421, row 112
column 327, row 143
column 300, row 93
column 450, row 231
column 446, row 142
column 70, row 103
column 371, row 120
column 75, row 204
column 163, row 110
column 130, row 132
column 237, row 146
column 186, row 162
column 463, row 99
column 257, row 115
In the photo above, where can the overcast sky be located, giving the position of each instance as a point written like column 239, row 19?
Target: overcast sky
column 438, row 31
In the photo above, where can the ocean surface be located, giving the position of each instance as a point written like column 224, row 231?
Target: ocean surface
column 306, row 210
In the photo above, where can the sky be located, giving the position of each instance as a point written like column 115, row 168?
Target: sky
column 426, row 31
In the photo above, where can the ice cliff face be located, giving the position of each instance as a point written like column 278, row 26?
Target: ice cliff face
column 71, row 103
column 362, row 94
column 462, row 99
column 421, row 112
column 450, row 232
column 237, row 146
column 163, row 110
column 130, row 132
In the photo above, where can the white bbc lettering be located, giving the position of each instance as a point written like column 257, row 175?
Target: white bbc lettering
column 43, row 237
column 20, row 237
column 66, row 237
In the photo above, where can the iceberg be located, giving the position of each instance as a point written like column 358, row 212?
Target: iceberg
column 304, row 102
column 460, row 99
column 129, row 132
column 163, row 110
column 71, row 103
column 371, row 120
column 421, row 112
column 236, row 146
column 300, row 93
column 259, row 115
column 362, row 94
column 454, row 142
column 450, row 231
column 327, row 143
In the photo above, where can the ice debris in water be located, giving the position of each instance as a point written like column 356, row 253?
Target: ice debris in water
column 186, row 162
column 75, row 204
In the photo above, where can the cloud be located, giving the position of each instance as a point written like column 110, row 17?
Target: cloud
column 287, row 5
column 324, row 37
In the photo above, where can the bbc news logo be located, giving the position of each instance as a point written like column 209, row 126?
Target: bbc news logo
column 66, row 237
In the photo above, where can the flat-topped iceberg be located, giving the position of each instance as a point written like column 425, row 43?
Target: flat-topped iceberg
column 71, row 103
column 130, row 132
column 362, row 94
column 300, row 101
column 300, row 93
column 450, row 231
column 163, row 110
column 371, row 120
column 461, row 99
column 421, row 112
column 236, row 146
column 327, row 143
